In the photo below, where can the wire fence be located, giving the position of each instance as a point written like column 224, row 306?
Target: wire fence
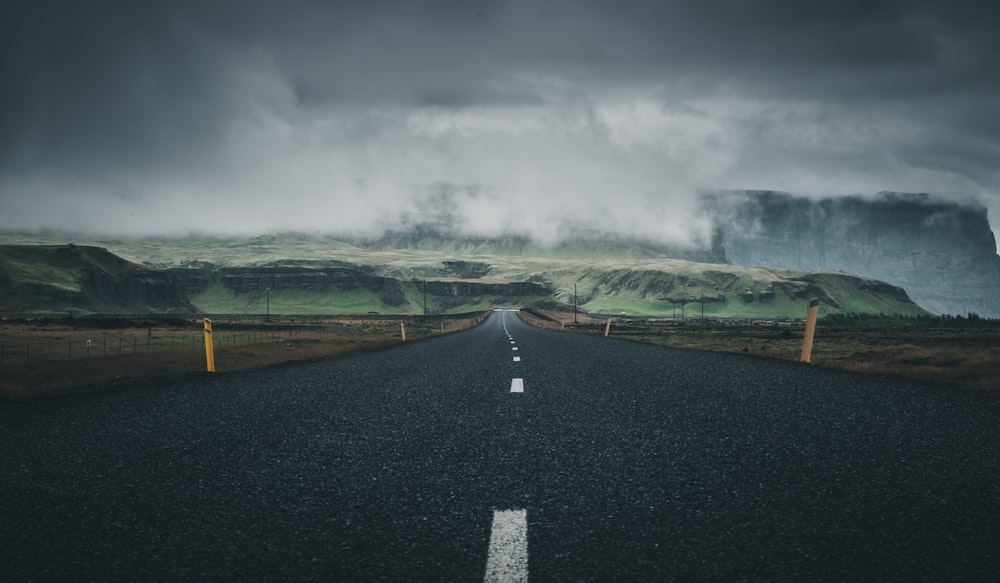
column 598, row 323
column 26, row 352
column 36, row 341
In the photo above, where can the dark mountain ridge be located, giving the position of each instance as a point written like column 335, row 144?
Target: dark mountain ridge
column 943, row 252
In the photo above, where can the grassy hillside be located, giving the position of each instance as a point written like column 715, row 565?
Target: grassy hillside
column 38, row 268
column 218, row 299
column 71, row 278
column 656, row 286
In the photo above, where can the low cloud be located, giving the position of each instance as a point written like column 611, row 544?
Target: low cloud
column 264, row 116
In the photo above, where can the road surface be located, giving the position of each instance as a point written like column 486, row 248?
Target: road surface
column 506, row 453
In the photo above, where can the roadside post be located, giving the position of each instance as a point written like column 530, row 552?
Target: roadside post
column 607, row 328
column 402, row 329
column 209, row 346
column 807, row 341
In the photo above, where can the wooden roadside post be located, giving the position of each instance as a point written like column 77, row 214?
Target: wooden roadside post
column 607, row 328
column 209, row 347
column 402, row 329
column 807, row 341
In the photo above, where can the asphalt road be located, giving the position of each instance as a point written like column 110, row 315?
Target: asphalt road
column 617, row 462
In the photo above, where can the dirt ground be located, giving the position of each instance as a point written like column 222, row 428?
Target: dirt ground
column 967, row 354
column 56, row 355
column 45, row 356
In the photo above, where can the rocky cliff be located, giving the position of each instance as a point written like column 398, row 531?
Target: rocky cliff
column 254, row 281
column 943, row 252
column 316, row 280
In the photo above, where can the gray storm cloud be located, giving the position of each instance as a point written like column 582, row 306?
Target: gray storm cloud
column 117, row 117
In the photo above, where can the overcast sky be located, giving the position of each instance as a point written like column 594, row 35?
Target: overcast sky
column 243, row 117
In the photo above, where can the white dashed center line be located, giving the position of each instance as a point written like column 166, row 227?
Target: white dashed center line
column 507, row 561
column 517, row 385
column 517, row 359
column 514, row 348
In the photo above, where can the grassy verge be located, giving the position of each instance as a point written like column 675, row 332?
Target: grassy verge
column 43, row 356
column 966, row 353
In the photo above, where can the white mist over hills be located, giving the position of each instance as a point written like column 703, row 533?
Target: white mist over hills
column 941, row 251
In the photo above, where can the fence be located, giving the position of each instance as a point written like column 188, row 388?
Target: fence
column 33, row 341
column 27, row 352
column 597, row 323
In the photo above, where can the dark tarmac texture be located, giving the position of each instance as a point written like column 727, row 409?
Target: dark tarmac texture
column 633, row 463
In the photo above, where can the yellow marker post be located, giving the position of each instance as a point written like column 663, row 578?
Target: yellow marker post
column 607, row 328
column 807, row 341
column 209, row 347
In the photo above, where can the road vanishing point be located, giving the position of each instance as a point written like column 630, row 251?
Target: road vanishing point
column 506, row 453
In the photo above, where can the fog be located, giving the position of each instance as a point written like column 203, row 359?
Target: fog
column 509, row 117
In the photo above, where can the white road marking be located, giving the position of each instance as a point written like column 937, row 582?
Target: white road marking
column 507, row 561
column 517, row 385
column 517, row 359
column 514, row 348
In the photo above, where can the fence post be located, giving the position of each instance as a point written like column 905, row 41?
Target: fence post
column 209, row 348
column 807, row 340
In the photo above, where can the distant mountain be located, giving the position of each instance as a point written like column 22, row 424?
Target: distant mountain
column 943, row 252
column 686, row 288
column 318, row 276
column 71, row 278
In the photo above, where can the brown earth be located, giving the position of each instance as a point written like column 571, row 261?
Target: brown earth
column 44, row 356
column 40, row 356
column 966, row 354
